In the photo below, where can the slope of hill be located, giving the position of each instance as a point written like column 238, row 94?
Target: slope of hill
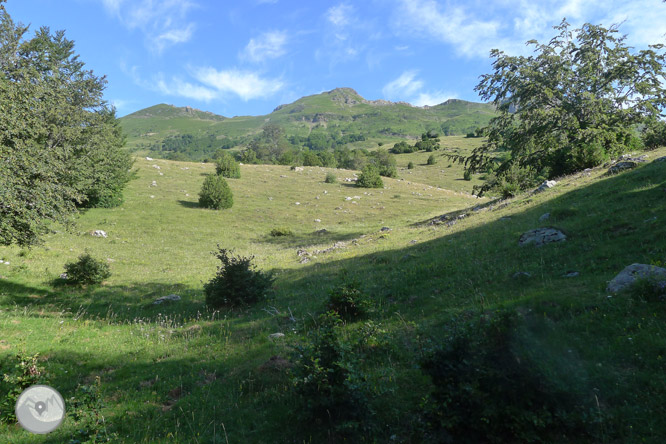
column 341, row 110
column 179, row 373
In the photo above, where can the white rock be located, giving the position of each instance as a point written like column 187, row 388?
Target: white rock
column 633, row 272
column 152, row 197
column 297, row 203
column 546, row 185
column 348, row 198
column 149, row 158
column 317, row 220
column 99, row 233
column 170, row 298
column 156, row 167
column 276, row 335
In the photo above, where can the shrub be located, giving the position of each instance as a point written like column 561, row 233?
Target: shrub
column 330, row 178
column 370, row 178
column 86, row 410
column 410, row 166
column 215, row 193
column 491, row 384
column 648, row 290
column 467, row 175
column 654, row 134
column 226, row 166
column 22, row 373
column 349, row 302
column 237, row 281
column 281, row 231
column 332, row 389
column 86, row 270
column 432, row 160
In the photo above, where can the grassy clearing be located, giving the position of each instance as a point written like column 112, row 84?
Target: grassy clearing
column 179, row 373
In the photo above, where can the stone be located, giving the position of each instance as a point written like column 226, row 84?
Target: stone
column 521, row 275
column 661, row 159
column 631, row 273
column 317, row 220
column 412, row 242
column 571, row 274
column 298, row 169
column 542, row 236
column 276, row 335
column 348, row 198
column 322, row 231
column 622, row 166
column 546, row 185
column 154, row 184
column 297, row 203
column 156, row 167
column 63, row 275
column 169, row 298
column 283, row 176
column 544, row 216
column 149, row 158
column 385, row 229
column 99, row 233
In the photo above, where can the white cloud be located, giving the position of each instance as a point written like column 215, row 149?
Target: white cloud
column 178, row 87
column 269, row 45
column 432, row 98
column 163, row 22
column 340, row 15
column 245, row 84
column 403, row 87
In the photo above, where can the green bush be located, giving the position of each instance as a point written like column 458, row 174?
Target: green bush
column 648, row 290
column 226, row 166
column 330, row 178
column 281, row 231
column 86, row 410
column 18, row 375
column 410, row 165
column 432, row 160
column 237, row 282
column 86, row 270
column 494, row 382
column 349, row 302
column 215, row 193
column 370, row 178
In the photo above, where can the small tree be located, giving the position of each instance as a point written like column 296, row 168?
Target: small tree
column 226, row 166
column 370, row 178
column 410, row 165
column 215, row 193
column 87, row 270
column 330, row 178
column 432, row 160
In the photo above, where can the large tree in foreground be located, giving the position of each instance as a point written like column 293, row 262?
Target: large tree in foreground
column 60, row 143
column 573, row 104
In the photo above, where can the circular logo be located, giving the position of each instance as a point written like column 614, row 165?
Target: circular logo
column 40, row 409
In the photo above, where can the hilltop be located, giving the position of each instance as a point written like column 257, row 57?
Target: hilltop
column 341, row 110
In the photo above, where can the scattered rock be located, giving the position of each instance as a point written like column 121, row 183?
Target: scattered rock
column 63, row 276
column 297, row 203
column 270, row 198
column 298, row 169
column 170, row 298
column 99, row 233
column 571, row 274
column 622, row 166
column 276, row 335
column 521, row 275
column 633, row 272
column 321, row 232
column 149, row 158
column 385, row 229
column 156, row 167
column 348, row 198
column 338, row 208
column 546, row 185
column 152, row 196
column 304, row 260
column 542, row 236
column 317, row 220
column 154, row 184
column 282, row 175
column 661, row 159
column 412, row 242
column 302, row 253
column 544, row 216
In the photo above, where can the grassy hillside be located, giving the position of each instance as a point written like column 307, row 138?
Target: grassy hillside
column 340, row 110
column 181, row 373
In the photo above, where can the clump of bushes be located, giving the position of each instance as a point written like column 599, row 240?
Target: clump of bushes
column 432, row 160
column 24, row 371
column 410, row 165
column 226, row 166
column 370, row 178
column 330, row 178
column 349, row 302
column 87, row 270
column 237, row 281
column 281, row 231
column 648, row 290
column 490, row 385
column 215, row 193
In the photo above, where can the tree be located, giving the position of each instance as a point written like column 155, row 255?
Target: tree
column 215, row 193
column 226, row 166
column 572, row 105
column 431, row 160
column 370, row 178
column 60, row 144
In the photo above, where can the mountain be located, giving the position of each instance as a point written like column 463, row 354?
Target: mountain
column 341, row 110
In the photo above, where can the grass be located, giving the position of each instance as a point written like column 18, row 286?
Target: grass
column 419, row 275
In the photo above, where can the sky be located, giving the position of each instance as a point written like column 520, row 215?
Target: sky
column 246, row 58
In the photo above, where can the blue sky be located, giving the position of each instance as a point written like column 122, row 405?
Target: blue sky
column 246, row 58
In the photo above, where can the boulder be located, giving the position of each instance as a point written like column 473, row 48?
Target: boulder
column 622, row 166
column 521, row 275
column 541, row 236
column 99, row 233
column 276, row 335
column 661, row 159
column 633, row 272
column 544, row 216
column 169, row 298
column 385, row 229
column 572, row 274
column 546, row 185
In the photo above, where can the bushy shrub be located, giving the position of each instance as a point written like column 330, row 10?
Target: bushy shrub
column 488, row 386
column 237, row 281
column 410, row 166
column 330, row 178
column 654, row 134
column 87, row 270
column 18, row 375
column 86, row 410
column 215, row 193
column 432, row 160
column 648, row 290
column 370, row 178
column 226, row 166
column 349, row 302
column 326, row 377
column 281, row 231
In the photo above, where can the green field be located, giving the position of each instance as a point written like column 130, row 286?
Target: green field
column 182, row 373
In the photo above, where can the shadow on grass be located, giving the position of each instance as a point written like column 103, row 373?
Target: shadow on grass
column 189, row 204
column 305, row 240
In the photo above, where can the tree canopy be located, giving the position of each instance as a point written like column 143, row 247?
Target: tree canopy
column 572, row 105
column 60, row 143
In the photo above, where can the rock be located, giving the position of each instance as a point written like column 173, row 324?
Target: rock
column 544, row 216
column 283, row 176
column 154, row 184
column 356, row 197
column 99, row 233
column 63, row 275
column 152, row 196
column 546, row 185
column 170, row 298
column 385, row 229
column 156, row 167
column 571, row 274
column 297, row 203
column 521, row 275
column 304, row 260
column 322, row 231
column 7, row 263
column 317, row 220
column 622, row 166
column 298, row 169
column 633, row 272
column 661, row 159
column 302, row 253
column 276, row 335
column 338, row 208
column 149, row 158
column 348, row 198
column 542, row 236
column 412, row 242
